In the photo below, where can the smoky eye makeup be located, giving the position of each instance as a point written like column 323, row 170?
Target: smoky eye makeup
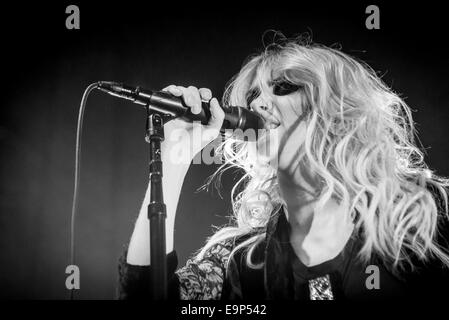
column 282, row 87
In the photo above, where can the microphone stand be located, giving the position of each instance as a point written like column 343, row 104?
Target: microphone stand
column 156, row 209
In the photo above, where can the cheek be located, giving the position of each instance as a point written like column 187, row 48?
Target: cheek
column 289, row 108
column 280, row 149
column 291, row 145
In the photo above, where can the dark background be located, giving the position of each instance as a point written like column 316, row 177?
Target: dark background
column 46, row 68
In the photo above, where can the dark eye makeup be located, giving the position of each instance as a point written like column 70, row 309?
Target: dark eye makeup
column 284, row 87
column 281, row 87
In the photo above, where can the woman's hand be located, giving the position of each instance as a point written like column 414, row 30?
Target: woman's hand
column 192, row 137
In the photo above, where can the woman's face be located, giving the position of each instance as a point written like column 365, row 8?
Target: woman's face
column 281, row 108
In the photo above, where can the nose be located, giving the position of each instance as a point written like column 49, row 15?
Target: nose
column 265, row 110
column 259, row 105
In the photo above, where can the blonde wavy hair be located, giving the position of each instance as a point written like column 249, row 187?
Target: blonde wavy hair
column 360, row 142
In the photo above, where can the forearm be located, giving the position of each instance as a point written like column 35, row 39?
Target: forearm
column 180, row 146
column 173, row 178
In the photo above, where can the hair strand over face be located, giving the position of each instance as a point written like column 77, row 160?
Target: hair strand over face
column 359, row 141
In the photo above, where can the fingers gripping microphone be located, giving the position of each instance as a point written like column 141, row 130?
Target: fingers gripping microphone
column 166, row 103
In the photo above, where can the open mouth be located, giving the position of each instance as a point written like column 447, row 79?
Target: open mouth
column 271, row 122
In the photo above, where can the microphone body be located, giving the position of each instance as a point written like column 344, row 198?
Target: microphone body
column 166, row 103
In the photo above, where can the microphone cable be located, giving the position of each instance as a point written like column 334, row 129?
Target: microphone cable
column 79, row 130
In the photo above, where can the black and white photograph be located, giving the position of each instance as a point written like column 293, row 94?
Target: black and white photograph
column 246, row 153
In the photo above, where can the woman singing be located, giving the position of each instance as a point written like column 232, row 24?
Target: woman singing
column 341, row 207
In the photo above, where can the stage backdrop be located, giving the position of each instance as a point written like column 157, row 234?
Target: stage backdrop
column 47, row 68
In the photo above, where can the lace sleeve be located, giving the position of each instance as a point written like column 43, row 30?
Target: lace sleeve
column 203, row 279
column 134, row 281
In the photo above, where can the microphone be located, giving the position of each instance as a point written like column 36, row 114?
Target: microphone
column 166, row 103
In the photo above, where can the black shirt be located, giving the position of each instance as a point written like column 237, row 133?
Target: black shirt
column 283, row 276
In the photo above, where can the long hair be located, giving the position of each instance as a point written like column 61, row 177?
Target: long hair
column 359, row 141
